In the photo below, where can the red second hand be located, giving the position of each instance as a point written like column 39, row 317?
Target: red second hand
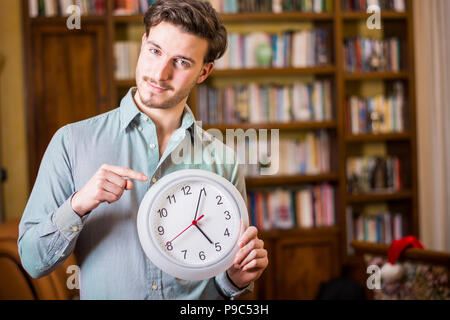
column 192, row 224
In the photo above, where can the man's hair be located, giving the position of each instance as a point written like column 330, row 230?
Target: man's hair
column 196, row 17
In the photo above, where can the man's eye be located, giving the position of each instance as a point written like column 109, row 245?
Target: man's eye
column 154, row 51
column 183, row 63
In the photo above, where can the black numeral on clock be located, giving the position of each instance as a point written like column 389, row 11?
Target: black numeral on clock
column 186, row 190
column 163, row 212
column 227, row 215
column 171, row 198
column 218, row 247
column 219, row 202
column 161, row 230
column 226, row 233
column 185, row 254
column 201, row 255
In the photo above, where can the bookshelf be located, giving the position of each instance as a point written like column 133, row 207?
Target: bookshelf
column 319, row 252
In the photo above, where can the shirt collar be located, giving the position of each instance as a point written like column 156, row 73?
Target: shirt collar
column 129, row 111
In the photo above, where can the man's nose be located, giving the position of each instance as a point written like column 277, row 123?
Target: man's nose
column 163, row 70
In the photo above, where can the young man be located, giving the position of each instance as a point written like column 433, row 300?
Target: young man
column 84, row 199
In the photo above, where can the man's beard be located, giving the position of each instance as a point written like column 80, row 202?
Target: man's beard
column 170, row 102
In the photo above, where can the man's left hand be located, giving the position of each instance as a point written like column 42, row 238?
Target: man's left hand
column 250, row 261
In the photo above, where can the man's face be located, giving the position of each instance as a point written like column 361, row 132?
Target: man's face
column 170, row 65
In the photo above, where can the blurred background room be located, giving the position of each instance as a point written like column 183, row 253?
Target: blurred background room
column 359, row 90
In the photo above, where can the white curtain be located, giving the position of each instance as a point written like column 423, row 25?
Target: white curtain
column 432, row 47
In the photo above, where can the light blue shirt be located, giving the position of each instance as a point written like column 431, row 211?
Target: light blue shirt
column 106, row 244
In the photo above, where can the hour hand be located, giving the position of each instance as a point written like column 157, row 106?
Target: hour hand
column 204, row 234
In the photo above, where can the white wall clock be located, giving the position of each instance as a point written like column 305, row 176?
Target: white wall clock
column 189, row 224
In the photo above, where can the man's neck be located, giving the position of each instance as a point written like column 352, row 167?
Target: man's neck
column 166, row 120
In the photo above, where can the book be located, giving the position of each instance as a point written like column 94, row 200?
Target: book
column 53, row 8
column 373, row 174
column 377, row 114
column 265, row 103
column 308, row 207
column 126, row 54
column 385, row 5
column 308, row 154
column 297, row 49
column 378, row 227
column 372, row 55
column 275, row 6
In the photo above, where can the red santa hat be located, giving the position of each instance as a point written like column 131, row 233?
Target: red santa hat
column 392, row 271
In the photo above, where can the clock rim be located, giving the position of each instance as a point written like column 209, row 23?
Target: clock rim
column 152, row 250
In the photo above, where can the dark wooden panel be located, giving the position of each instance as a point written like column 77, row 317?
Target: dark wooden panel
column 70, row 84
column 303, row 264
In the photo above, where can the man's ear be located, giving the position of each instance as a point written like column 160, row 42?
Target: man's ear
column 206, row 71
column 144, row 38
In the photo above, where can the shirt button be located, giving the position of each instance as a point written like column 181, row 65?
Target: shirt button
column 154, row 287
column 152, row 146
column 74, row 228
column 145, row 118
column 153, row 180
column 140, row 129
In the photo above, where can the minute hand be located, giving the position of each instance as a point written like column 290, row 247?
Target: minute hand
column 198, row 202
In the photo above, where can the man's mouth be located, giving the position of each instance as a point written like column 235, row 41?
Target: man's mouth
column 156, row 87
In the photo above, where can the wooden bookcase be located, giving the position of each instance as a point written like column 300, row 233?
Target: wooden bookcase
column 300, row 259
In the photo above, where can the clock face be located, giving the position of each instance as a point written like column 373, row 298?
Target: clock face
column 189, row 223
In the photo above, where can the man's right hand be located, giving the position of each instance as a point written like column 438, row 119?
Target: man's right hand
column 107, row 184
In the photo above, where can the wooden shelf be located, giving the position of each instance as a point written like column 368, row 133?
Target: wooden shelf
column 380, row 197
column 376, row 76
column 249, row 17
column 290, row 180
column 385, row 15
column 378, row 137
column 128, row 18
column 289, row 126
column 273, row 71
column 63, row 20
column 299, row 232
column 276, row 17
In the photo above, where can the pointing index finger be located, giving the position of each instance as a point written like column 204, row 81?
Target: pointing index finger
column 126, row 172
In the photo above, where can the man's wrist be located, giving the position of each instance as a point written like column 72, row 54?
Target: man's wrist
column 79, row 211
column 234, row 284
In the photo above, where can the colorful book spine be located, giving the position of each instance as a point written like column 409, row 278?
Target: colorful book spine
column 373, row 174
column 275, row 6
column 378, row 114
column 379, row 227
column 372, row 55
column 385, row 5
column 296, row 49
column 53, row 8
column 126, row 54
column 265, row 103
column 309, row 207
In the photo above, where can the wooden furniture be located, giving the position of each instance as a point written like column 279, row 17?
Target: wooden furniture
column 439, row 261
column 70, row 77
column 16, row 283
